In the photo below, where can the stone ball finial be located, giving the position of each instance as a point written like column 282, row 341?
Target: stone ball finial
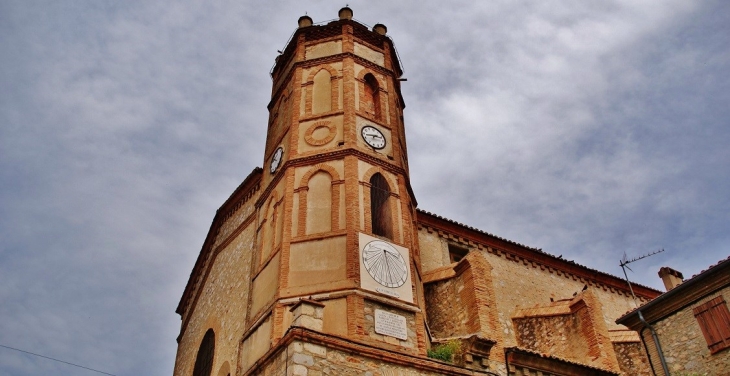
column 345, row 13
column 380, row 29
column 305, row 21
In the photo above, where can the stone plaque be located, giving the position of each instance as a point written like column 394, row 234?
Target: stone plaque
column 390, row 324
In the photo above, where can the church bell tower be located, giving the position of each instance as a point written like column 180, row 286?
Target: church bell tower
column 336, row 214
column 320, row 245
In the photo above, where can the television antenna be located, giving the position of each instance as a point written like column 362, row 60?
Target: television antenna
column 624, row 263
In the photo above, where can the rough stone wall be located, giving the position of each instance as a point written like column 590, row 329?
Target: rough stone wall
column 308, row 359
column 520, row 284
column 448, row 314
column 221, row 305
column 462, row 305
column 631, row 358
column 684, row 346
column 555, row 335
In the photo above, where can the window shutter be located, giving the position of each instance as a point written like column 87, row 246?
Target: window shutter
column 714, row 320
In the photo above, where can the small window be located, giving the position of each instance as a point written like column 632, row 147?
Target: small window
column 380, row 207
column 204, row 360
column 456, row 253
column 714, row 320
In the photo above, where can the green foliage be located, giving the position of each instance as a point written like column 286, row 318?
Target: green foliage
column 448, row 352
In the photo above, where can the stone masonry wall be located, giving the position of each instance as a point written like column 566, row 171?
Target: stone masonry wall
column 631, row 358
column 448, row 315
column 221, row 306
column 308, row 359
column 555, row 335
column 684, row 346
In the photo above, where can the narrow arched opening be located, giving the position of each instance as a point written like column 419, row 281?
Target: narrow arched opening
column 204, row 360
column 372, row 96
column 380, row 214
column 322, row 92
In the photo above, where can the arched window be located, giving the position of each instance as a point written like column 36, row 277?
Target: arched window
column 269, row 230
column 372, row 96
column 319, row 203
column 204, row 361
column 380, row 215
column 322, row 92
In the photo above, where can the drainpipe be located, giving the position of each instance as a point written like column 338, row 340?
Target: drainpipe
column 656, row 343
column 646, row 349
column 506, row 360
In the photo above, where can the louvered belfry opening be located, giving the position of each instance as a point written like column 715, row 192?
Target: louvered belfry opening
column 204, row 361
column 381, row 217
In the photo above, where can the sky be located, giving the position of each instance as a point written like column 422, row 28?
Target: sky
column 586, row 129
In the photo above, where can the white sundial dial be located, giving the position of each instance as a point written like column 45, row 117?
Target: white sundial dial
column 385, row 264
column 373, row 137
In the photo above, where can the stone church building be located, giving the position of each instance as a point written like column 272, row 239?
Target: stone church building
column 320, row 263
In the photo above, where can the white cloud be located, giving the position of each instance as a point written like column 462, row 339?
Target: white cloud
column 586, row 129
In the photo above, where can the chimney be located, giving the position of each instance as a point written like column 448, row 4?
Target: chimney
column 670, row 277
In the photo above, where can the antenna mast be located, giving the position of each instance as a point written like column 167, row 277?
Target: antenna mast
column 624, row 265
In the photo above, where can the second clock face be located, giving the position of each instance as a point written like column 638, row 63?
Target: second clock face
column 384, row 263
column 373, row 137
column 276, row 159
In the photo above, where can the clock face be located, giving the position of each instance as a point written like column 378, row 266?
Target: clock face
column 276, row 159
column 384, row 263
column 373, row 137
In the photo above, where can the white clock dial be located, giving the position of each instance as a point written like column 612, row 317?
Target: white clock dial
column 276, row 159
column 373, row 137
column 385, row 264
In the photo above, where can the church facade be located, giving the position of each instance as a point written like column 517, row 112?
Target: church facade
column 320, row 263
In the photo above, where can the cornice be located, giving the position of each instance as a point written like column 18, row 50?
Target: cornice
column 357, row 29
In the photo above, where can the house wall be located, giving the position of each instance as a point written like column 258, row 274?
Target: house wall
column 684, row 346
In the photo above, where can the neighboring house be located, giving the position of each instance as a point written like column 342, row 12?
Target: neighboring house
column 688, row 327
